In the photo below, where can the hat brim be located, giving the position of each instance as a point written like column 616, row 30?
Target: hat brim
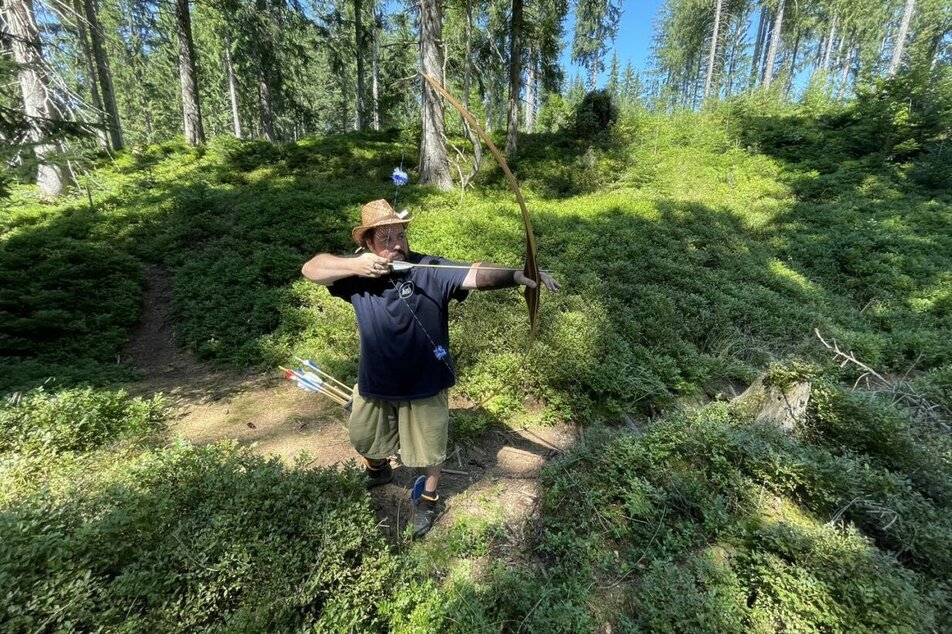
column 358, row 233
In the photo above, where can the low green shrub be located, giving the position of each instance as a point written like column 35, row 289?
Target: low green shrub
column 196, row 539
column 681, row 517
column 78, row 419
column 596, row 113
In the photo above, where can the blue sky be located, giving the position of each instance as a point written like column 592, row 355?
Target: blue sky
column 633, row 43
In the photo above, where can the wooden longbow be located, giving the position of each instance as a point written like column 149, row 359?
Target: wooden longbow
column 531, row 269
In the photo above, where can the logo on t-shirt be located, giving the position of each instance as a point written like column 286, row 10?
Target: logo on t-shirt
column 406, row 289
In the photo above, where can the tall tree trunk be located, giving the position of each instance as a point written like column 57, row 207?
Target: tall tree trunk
column 593, row 72
column 829, row 46
column 361, row 72
column 531, row 91
column 97, row 38
column 758, row 47
column 27, row 53
column 188, row 76
column 695, row 99
column 839, row 53
column 467, row 58
column 469, row 133
column 731, row 65
column 793, row 63
column 232, row 87
column 375, row 72
column 265, row 111
column 434, row 165
column 713, row 53
column 515, row 76
column 774, row 45
column 762, row 62
column 901, row 38
column 844, row 74
column 932, row 54
column 83, row 36
column 265, row 69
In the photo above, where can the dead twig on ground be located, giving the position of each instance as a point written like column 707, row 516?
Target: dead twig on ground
column 900, row 391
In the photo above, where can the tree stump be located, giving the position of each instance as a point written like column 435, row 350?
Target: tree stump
column 785, row 409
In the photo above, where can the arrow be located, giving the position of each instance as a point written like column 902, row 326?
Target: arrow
column 307, row 383
column 346, row 389
column 402, row 265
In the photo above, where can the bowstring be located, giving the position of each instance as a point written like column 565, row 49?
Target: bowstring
column 436, row 346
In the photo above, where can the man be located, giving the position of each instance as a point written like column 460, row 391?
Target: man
column 401, row 401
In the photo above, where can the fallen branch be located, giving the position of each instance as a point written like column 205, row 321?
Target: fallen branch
column 901, row 391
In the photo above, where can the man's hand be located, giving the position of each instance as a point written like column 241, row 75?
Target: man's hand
column 370, row 265
column 547, row 280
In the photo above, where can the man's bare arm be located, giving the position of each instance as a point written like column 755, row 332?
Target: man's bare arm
column 492, row 277
column 325, row 269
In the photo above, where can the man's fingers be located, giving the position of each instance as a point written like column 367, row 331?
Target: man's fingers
column 550, row 282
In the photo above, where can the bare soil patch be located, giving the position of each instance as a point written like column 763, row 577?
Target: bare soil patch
column 498, row 472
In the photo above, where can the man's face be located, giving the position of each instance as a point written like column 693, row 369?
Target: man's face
column 390, row 242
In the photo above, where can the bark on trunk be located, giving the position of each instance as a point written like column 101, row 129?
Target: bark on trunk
column 434, row 166
column 188, row 76
column 844, row 75
column 731, row 66
column 530, row 92
column 901, row 38
column 593, row 72
column 829, row 46
column 97, row 38
column 375, row 73
column 467, row 86
column 361, row 72
column 774, row 45
column 793, row 63
column 265, row 64
column 758, row 47
column 27, row 53
column 467, row 63
column 515, row 76
column 232, row 87
column 83, row 36
column 265, row 111
column 696, row 79
column 713, row 53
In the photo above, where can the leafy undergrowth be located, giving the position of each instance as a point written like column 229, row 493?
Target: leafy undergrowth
column 102, row 533
column 708, row 522
column 695, row 250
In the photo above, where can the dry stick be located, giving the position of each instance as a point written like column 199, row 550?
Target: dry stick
column 850, row 358
column 912, row 399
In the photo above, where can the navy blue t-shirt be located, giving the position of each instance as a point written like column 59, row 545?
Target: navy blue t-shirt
column 402, row 318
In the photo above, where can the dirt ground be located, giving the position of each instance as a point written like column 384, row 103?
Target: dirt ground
column 497, row 474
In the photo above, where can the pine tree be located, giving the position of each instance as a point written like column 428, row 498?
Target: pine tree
column 24, row 40
column 515, row 77
column 900, row 43
column 188, row 75
column 612, row 85
column 434, row 164
column 596, row 24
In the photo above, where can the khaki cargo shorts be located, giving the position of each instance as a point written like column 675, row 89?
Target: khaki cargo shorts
column 417, row 429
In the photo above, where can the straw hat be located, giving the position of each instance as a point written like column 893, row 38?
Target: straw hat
column 376, row 214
